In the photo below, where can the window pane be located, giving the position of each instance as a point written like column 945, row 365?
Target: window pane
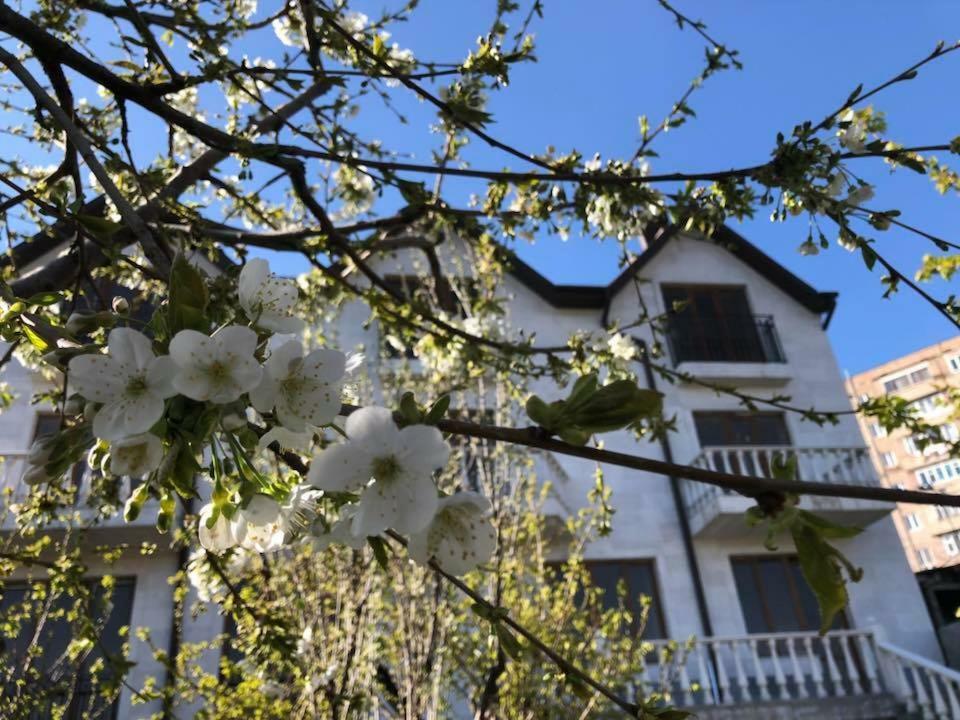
column 735, row 428
column 638, row 575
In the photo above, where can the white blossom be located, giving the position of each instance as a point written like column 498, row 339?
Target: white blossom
column 622, row 347
column 860, row 194
column 302, row 390
column 459, row 538
column 136, row 456
column 854, row 136
column 222, row 536
column 400, row 463
column 261, row 525
column 130, row 381
column 268, row 300
column 219, row 368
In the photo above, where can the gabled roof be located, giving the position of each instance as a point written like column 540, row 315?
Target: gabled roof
column 598, row 296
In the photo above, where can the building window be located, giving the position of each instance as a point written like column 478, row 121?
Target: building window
column 954, row 363
column 906, row 378
column 889, row 459
column 950, row 545
column 639, row 579
column 945, row 511
column 910, row 444
column 877, row 430
column 928, row 404
column 720, row 429
column 912, row 521
column 941, row 472
column 714, row 323
column 112, row 611
column 774, row 596
column 924, row 558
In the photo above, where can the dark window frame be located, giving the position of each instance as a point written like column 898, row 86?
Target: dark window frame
column 656, row 614
column 752, row 417
column 794, row 581
column 718, row 324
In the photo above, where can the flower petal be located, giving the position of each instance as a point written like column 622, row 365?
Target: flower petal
column 97, row 377
column 127, row 416
column 374, row 428
column 136, row 456
column 407, row 505
column 284, row 360
column 340, row 468
column 264, row 396
column 422, row 449
column 317, row 405
column 160, row 374
column 190, row 348
column 252, row 277
column 132, row 349
column 234, row 341
column 324, row 365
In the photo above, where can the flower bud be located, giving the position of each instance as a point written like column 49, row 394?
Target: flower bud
column 233, row 421
column 120, row 305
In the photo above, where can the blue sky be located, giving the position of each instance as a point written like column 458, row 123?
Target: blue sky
column 602, row 64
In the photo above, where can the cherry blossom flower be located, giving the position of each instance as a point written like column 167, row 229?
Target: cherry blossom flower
column 262, row 524
column 459, row 537
column 130, row 381
column 136, row 456
column 268, row 300
column 219, row 368
column 302, row 390
column 222, row 536
column 400, row 463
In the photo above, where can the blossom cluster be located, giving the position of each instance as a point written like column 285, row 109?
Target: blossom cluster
column 210, row 393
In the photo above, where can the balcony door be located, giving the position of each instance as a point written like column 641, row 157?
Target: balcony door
column 714, row 324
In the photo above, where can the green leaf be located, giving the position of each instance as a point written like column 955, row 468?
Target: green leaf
column 99, row 226
column 188, row 298
column 44, row 298
column 35, row 339
column 380, row 551
column 508, row 642
column 409, row 410
column 437, row 411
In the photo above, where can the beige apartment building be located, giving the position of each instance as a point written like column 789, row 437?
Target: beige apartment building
column 930, row 534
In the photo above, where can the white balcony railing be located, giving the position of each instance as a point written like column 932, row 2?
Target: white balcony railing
column 847, row 465
column 801, row 667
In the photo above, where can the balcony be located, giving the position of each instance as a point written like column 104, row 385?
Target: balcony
column 13, row 491
column 718, row 513
column 731, row 339
column 847, row 674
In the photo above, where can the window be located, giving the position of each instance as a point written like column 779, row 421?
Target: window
column 714, row 323
column 929, row 404
column 640, row 579
column 954, row 363
column 950, row 545
column 55, row 637
column 906, row 378
column 877, row 430
column 946, row 511
column 924, row 558
column 912, row 521
column 774, row 596
column 930, row 476
column 719, row 429
column 910, row 444
column 889, row 459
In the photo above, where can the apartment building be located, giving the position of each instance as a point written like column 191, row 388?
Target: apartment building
column 748, row 322
column 930, row 535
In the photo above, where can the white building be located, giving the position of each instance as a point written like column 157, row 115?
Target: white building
column 749, row 322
